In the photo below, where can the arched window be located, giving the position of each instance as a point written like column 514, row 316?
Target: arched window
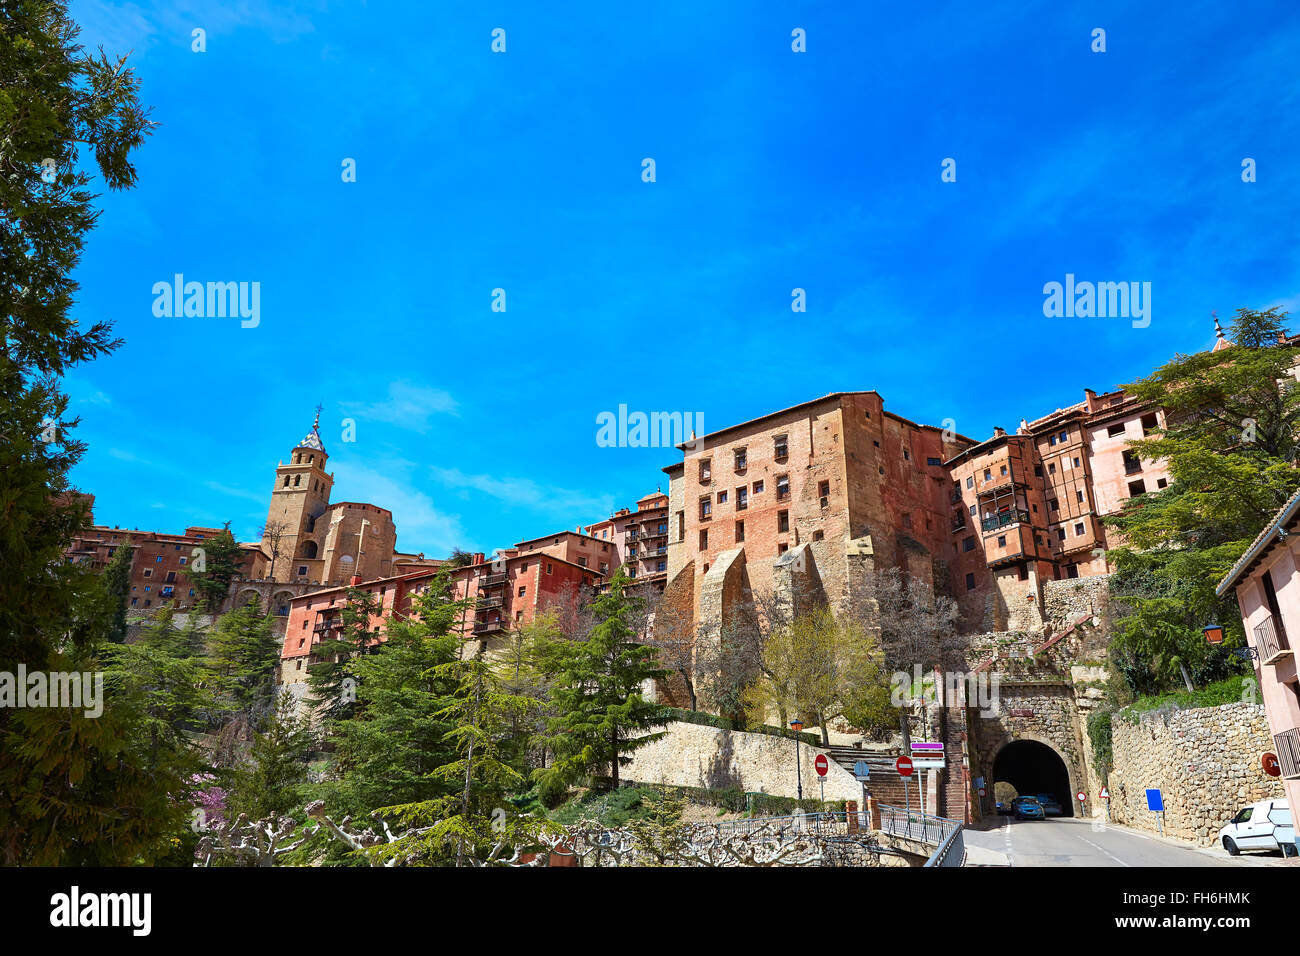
column 308, row 549
column 297, row 479
column 286, row 481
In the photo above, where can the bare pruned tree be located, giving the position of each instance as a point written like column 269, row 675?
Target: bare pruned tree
column 273, row 534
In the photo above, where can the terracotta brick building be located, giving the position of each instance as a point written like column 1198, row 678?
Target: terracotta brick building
column 159, row 560
column 815, row 498
column 640, row 540
column 810, row 499
column 504, row 593
column 1027, row 508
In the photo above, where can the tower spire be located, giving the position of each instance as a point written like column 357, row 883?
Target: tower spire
column 1218, row 329
column 316, row 423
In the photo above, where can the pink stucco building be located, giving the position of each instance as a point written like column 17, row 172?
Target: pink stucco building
column 1267, row 583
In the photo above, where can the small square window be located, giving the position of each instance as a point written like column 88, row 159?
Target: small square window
column 823, row 489
column 1002, row 541
column 782, row 521
column 970, row 481
column 818, row 535
column 1078, row 529
column 758, row 487
column 970, row 582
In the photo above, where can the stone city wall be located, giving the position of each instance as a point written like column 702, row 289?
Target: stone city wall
column 1205, row 762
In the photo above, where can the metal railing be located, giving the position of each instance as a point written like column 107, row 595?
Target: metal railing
column 832, row 823
column 1270, row 641
column 914, row 825
column 1288, row 751
column 1003, row 519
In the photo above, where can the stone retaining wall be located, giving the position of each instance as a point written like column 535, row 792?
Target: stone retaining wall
column 693, row 755
column 1205, row 762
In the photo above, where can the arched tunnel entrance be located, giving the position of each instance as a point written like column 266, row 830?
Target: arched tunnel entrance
column 1031, row 768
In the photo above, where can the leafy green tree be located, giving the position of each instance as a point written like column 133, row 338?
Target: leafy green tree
column 1230, row 441
column 819, row 667
column 213, row 568
column 601, row 715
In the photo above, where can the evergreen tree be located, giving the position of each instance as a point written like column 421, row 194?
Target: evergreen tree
column 273, row 779
column 71, row 789
column 116, row 580
column 213, row 568
column 330, row 678
column 389, row 752
column 243, row 652
column 601, row 715
column 464, row 824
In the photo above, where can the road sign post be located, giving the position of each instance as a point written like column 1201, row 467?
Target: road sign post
column 822, row 765
column 1105, row 796
column 904, row 767
column 1156, row 804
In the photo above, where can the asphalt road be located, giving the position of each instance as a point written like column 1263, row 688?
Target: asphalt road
column 1069, row 841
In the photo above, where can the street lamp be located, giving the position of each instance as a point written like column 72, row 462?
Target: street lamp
column 797, row 725
column 1214, row 633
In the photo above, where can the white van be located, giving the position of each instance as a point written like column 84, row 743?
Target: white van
column 1265, row 825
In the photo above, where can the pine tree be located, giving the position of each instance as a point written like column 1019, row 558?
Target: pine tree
column 213, row 568
column 331, row 679
column 601, row 715
column 71, row 788
column 466, row 823
column 389, row 751
column 273, row 778
column 116, row 580
column 243, row 652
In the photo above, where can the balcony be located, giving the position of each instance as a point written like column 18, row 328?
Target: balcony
column 494, row 600
column 1002, row 520
column 1288, row 752
column 489, row 627
column 1271, row 644
column 493, row 580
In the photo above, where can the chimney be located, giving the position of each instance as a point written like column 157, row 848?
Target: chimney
column 999, row 432
column 356, row 579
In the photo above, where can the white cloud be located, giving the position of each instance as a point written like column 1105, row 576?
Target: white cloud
column 236, row 492
column 408, row 406
column 574, row 506
column 420, row 526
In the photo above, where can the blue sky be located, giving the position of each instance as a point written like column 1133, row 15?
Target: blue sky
column 775, row 170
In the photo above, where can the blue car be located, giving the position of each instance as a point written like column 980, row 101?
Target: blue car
column 1027, row 808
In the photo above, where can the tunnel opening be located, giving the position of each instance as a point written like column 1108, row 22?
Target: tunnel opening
column 1031, row 768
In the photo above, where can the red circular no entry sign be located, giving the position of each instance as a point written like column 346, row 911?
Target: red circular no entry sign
column 822, row 765
column 904, row 766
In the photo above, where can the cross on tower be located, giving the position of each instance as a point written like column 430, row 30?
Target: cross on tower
column 316, row 423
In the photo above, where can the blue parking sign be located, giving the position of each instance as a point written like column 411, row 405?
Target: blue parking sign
column 1155, row 802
